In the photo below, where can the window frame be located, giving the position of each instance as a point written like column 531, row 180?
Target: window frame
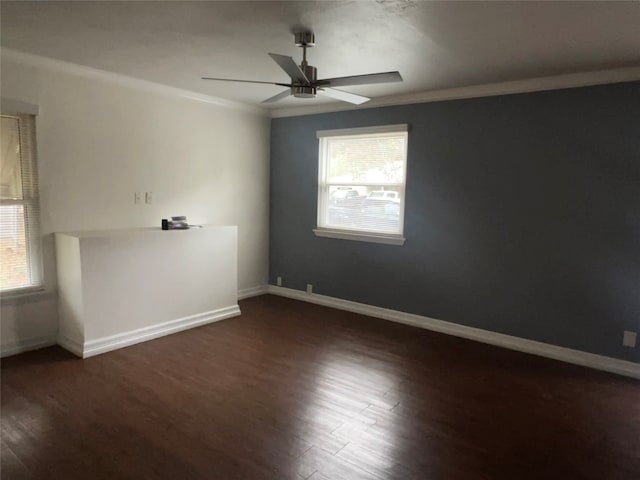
column 323, row 230
column 30, row 201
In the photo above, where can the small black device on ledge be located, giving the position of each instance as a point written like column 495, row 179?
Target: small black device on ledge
column 176, row 223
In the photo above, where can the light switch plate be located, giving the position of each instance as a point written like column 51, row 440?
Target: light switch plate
column 148, row 197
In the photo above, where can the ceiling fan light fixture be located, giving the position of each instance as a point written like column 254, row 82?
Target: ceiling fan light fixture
column 304, row 91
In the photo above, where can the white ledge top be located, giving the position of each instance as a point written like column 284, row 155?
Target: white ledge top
column 137, row 231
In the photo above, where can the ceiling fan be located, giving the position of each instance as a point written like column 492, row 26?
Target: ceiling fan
column 304, row 81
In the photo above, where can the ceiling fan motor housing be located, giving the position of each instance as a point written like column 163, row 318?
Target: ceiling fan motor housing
column 309, row 72
column 306, row 91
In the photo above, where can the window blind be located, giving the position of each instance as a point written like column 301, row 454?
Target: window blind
column 20, row 259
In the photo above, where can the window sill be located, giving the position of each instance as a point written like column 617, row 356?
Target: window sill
column 25, row 295
column 360, row 236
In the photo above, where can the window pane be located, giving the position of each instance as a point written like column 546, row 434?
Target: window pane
column 369, row 208
column 10, row 164
column 14, row 262
column 377, row 159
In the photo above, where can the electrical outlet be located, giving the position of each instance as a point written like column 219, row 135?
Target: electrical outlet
column 309, row 288
column 148, row 198
column 629, row 339
column 279, row 281
column 137, row 198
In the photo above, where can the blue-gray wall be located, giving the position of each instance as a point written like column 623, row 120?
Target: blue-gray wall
column 522, row 216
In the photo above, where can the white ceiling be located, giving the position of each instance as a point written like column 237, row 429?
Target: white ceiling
column 434, row 45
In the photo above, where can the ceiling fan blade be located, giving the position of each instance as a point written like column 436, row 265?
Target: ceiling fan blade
column 246, row 81
column 386, row 77
column 344, row 96
column 277, row 97
column 289, row 66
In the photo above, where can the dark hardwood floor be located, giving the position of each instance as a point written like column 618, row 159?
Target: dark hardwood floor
column 291, row 390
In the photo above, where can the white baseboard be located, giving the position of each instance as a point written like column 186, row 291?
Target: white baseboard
column 577, row 357
column 252, row 292
column 106, row 344
column 70, row 345
column 13, row 348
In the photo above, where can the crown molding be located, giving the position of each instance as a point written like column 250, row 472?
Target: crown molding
column 54, row 65
column 556, row 82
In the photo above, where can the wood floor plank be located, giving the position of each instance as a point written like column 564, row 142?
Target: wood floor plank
column 291, row 390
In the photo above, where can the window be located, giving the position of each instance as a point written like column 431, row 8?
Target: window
column 361, row 184
column 19, row 205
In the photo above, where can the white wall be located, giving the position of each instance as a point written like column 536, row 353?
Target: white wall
column 101, row 140
column 120, row 287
